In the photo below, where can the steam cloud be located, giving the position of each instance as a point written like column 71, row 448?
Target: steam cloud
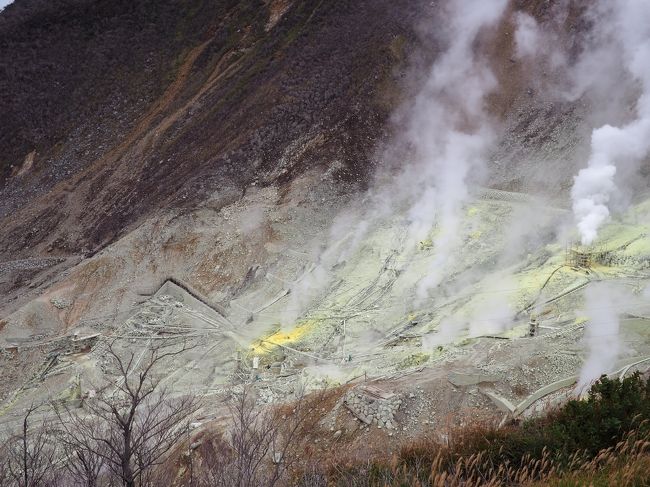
column 623, row 25
column 528, row 36
column 612, row 69
column 450, row 132
column 252, row 220
column 341, row 243
column 602, row 333
column 543, row 46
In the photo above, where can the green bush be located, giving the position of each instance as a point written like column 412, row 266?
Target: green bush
column 612, row 408
column 580, row 429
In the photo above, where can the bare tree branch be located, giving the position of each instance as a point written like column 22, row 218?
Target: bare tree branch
column 30, row 453
column 130, row 429
column 261, row 447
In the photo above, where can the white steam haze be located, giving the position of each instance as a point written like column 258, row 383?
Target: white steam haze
column 449, row 329
column 542, row 46
column 450, row 132
column 344, row 237
column 528, row 36
column 495, row 313
column 623, row 25
column 601, row 338
column 252, row 220
column 4, row 3
column 492, row 313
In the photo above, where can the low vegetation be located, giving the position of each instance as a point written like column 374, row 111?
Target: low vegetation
column 601, row 440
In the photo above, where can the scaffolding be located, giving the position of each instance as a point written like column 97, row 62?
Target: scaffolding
column 578, row 258
column 586, row 256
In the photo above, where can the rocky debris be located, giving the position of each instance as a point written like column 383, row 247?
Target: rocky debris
column 373, row 406
column 60, row 303
column 460, row 379
column 267, row 396
column 54, row 359
column 29, row 264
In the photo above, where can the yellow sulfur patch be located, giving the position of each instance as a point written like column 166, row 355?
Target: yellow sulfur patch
column 282, row 337
column 472, row 210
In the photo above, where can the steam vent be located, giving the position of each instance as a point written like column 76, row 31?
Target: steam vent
column 302, row 243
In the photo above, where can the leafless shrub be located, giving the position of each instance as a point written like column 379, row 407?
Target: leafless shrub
column 130, row 427
column 261, row 446
column 4, row 455
column 84, row 452
column 29, row 453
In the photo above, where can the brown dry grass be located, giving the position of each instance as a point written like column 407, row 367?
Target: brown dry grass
column 424, row 463
column 544, row 451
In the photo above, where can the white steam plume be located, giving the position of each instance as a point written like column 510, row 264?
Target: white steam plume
column 625, row 24
column 450, row 132
column 542, row 46
column 528, row 36
column 601, row 334
column 251, row 220
column 495, row 313
column 449, row 329
column 345, row 235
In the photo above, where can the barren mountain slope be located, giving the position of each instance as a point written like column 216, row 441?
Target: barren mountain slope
column 186, row 169
column 209, row 95
column 107, row 122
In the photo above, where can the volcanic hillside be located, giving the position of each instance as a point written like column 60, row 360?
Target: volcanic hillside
column 320, row 193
